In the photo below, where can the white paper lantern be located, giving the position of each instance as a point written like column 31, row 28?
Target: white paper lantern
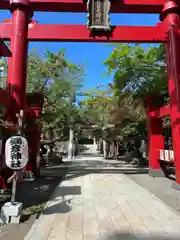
column 16, row 152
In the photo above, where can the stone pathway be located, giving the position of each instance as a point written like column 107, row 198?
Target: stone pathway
column 104, row 206
column 96, row 164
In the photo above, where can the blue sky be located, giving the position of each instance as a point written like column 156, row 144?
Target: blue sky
column 93, row 54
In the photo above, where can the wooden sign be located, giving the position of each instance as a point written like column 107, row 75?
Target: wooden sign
column 98, row 15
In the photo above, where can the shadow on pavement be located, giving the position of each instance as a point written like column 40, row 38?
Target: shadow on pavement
column 64, row 205
column 34, row 195
column 131, row 236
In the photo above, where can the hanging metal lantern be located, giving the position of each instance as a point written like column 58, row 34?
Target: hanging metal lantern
column 99, row 15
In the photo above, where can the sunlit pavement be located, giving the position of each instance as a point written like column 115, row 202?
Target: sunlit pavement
column 101, row 206
column 104, row 206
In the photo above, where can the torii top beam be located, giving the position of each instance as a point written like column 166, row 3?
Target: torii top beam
column 119, row 6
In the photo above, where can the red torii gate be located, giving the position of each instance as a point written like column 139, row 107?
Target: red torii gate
column 21, row 29
column 124, row 6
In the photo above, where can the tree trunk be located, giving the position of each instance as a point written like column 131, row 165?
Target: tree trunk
column 71, row 143
column 94, row 141
column 105, row 149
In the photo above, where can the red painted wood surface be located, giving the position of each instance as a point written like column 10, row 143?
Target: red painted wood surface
column 155, row 135
column 79, row 33
column 173, row 62
column 161, row 112
column 119, row 6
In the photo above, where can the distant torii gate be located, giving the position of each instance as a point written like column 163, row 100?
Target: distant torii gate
column 21, row 29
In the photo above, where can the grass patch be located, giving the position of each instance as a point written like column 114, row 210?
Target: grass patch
column 34, row 209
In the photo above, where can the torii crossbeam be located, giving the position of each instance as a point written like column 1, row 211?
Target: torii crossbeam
column 80, row 33
column 118, row 6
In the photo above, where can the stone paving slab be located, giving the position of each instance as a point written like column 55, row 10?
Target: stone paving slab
column 105, row 207
column 161, row 188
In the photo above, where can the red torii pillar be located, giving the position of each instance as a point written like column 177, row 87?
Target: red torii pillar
column 155, row 136
column 171, row 16
column 17, row 64
column 35, row 104
column 16, row 79
column 17, row 70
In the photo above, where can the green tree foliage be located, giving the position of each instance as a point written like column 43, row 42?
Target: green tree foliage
column 138, row 73
column 137, row 70
column 3, row 76
column 129, row 116
column 59, row 80
column 97, row 107
column 3, row 71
